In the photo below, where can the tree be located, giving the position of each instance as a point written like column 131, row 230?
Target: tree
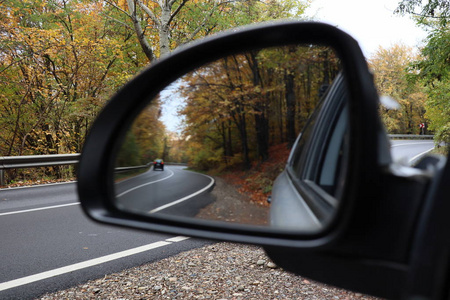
column 434, row 73
column 392, row 72
column 437, row 10
column 235, row 106
column 433, row 67
column 161, row 26
column 57, row 59
column 146, row 139
column 61, row 61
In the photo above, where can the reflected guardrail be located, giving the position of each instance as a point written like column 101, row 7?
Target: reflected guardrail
column 36, row 161
column 131, row 168
column 126, row 169
column 410, row 136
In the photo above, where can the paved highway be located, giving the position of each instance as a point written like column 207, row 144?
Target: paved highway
column 175, row 191
column 48, row 243
column 409, row 151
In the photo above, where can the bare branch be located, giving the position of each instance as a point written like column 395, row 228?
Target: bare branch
column 139, row 32
column 177, row 10
column 148, row 12
column 428, row 16
column 118, row 21
column 172, row 2
column 118, row 8
column 205, row 20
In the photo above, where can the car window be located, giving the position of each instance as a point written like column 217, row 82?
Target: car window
column 298, row 155
column 329, row 171
column 316, row 162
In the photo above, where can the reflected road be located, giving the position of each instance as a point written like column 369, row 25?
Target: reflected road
column 174, row 191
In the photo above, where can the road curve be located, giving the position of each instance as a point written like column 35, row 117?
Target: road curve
column 48, row 244
column 409, row 151
column 174, row 191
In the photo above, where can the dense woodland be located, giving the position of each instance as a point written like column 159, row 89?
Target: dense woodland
column 430, row 70
column 61, row 60
column 235, row 109
column 389, row 67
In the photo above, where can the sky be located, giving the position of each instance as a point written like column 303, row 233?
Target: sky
column 371, row 22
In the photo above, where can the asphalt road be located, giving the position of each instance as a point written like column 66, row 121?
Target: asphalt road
column 48, row 243
column 409, row 151
column 174, row 191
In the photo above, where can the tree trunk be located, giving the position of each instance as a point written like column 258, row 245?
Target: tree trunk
column 148, row 51
column 229, row 140
column 262, row 136
column 290, row 108
column 164, row 31
column 244, row 141
column 261, row 123
column 241, row 124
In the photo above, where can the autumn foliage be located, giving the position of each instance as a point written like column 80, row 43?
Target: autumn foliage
column 241, row 114
column 239, row 106
column 392, row 74
column 60, row 62
column 257, row 183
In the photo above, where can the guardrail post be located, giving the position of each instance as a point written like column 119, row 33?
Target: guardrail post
column 2, row 177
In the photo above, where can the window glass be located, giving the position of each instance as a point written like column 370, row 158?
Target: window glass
column 318, row 154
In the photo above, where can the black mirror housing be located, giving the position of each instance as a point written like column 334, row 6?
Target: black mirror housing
column 96, row 166
column 371, row 229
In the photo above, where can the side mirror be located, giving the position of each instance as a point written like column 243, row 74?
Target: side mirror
column 229, row 112
column 233, row 88
column 336, row 198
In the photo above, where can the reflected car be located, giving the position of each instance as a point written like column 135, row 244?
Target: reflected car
column 158, row 164
column 315, row 165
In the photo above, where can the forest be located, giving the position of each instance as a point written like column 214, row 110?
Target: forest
column 234, row 109
column 61, row 60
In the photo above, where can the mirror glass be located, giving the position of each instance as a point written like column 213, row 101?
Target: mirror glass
column 211, row 144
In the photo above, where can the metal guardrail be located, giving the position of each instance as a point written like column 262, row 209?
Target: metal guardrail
column 411, row 136
column 33, row 161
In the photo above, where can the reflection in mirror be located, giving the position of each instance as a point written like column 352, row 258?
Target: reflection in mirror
column 211, row 145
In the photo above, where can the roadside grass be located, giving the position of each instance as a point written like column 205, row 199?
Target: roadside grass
column 440, row 150
column 38, row 175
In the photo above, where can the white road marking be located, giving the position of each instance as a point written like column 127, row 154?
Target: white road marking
column 139, row 186
column 184, row 198
column 88, row 263
column 420, row 154
column 71, row 204
column 37, row 209
column 177, row 239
